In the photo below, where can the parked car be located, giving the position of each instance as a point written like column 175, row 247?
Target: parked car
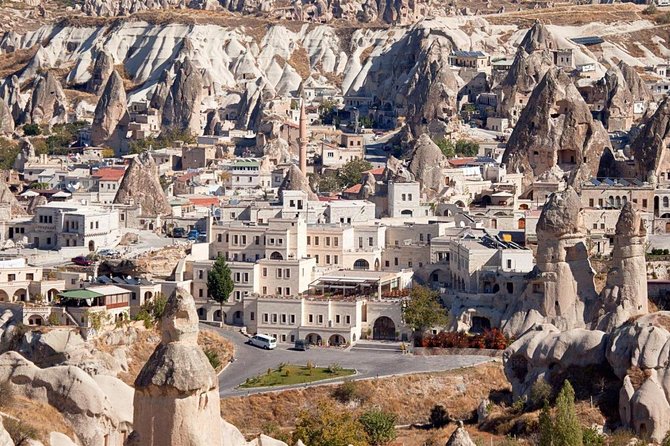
column 82, row 261
column 301, row 345
column 193, row 234
column 263, row 341
column 178, row 232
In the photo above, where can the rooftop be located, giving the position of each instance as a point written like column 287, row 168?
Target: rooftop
column 110, row 174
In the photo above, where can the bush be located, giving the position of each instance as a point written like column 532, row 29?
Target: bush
column 213, row 358
column 350, row 391
column 563, row 429
column 32, row 130
column 439, row 417
column 324, row 425
column 591, row 437
column 19, row 431
column 663, row 19
column 334, row 368
column 540, row 393
column 379, row 426
column 491, row 339
column 651, row 9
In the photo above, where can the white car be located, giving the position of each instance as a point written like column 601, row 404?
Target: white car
column 263, row 341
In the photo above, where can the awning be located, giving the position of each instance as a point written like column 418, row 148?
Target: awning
column 80, row 294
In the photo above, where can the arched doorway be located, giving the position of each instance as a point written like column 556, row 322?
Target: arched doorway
column 336, row 340
column 51, row 294
column 384, row 329
column 35, row 320
column 313, row 339
column 3, row 296
column 20, row 295
column 147, row 296
column 522, row 223
column 238, row 318
column 219, row 315
column 480, row 324
column 91, row 246
column 276, row 256
column 202, row 314
column 361, row 264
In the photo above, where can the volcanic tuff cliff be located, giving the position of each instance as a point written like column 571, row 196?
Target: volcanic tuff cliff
column 141, row 186
column 649, row 148
column 111, row 114
column 426, row 164
column 556, row 136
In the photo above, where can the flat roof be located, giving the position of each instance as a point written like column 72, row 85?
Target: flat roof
column 80, row 294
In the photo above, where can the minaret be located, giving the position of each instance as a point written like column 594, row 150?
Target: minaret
column 302, row 138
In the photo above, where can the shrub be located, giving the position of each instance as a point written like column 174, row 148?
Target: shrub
column 346, row 392
column 439, row 417
column 326, row 426
column 540, row 392
column 213, row 358
column 19, row 431
column 334, row 368
column 664, row 19
column 591, row 437
column 379, row 426
column 32, row 130
column 563, row 429
column 651, row 9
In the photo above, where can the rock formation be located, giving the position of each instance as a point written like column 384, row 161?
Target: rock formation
column 636, row 353
column 625, row 294
column 560, row 289
column 426, row 165
column 649, row 148
column 11, row 93
column 141, row 185
column 183, row 102
column 556, row 136
column 430, row 93
column 47, row 105
column 162, row 91
column 460, row 437
column 110, row 122
column 533, row 58
column 72, row 392
column 102, row 70
column 26, row 154
column 176, row 393
column 277, row 150
column 296, row 180
column 5, row 439
column 8, row 199
column 6, row 119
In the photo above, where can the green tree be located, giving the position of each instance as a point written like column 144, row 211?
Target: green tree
column 220, row 282
column 379, row 426
column 351, row 172
column 466, row 148
column 423, row 310
column 8, row 153
column 546, row 426
column 32, row 130
column 563, row 429
column 328, row 183
column 446, row 146
column 325, row 426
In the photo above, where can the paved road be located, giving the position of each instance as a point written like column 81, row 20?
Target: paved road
column 251, row 361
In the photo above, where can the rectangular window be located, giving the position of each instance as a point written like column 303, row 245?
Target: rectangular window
column 265, row 290
column 292, row 319
column 287, row 273
column 274, row 318
column 327, row 259
column 321, row 319
column 279, row 273
column 316, row 241
column 310, row 318
column 371, row 241
column 509, row 263
column 327, row 241
column 266, row 318
column 591, row 202
column 336, row 260
column 257, row 240
column 337, row 318
column 252, row 316
column 644, row 203
column 347, row 318
column 265, row 272
column 287, row 291
column 395, row 261
column 309, row 240
column 336, row 241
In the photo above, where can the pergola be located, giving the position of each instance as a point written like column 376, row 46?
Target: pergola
column 352, row 285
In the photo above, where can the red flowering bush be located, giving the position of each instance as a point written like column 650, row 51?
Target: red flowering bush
column 491, row 339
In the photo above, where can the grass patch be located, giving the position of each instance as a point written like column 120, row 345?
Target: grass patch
column 288, row 374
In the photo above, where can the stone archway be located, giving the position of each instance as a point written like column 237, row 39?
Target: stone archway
column 4, row 297
column 336, row 340
column 202, row 314
column 361, row 264
column 276, row 256
column 219, row 316
column 384, row 329
column 313, row 339
column 91, row 246
column 20, row 295
column 52, row 294
column 238, row 318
